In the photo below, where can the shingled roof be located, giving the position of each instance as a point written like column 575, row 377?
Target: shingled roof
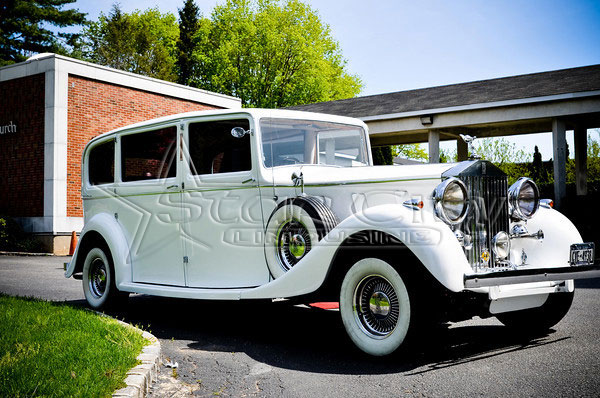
column 542, row 84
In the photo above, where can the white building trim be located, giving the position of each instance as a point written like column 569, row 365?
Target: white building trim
column 46, row 62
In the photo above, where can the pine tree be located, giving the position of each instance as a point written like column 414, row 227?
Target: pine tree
column 23, row 32
column 189, row 17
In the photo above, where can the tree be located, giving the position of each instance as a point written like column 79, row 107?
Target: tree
column 500, row 151
column 271, row 54
column 411, row 151
column 537, row 166
column 139, row 42
column 382, row 155
column 24, row 28
column 189, row 24
column 504, row 154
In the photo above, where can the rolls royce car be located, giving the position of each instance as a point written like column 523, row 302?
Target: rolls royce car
column 274, row 204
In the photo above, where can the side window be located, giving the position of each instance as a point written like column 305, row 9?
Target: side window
column 214, row 150
column 101, row 167
column 149, row 155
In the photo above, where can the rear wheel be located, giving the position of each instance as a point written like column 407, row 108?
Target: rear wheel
column 98, row 279
column 540, row 319
column 375, row 306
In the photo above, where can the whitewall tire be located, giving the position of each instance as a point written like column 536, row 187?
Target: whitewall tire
column 375, row 306
column 98, row 279
column 293, row 228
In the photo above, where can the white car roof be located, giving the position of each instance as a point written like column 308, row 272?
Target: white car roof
column 257, row 113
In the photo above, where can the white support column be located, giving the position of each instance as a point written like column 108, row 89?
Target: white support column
column 580, row 137
column 55, row 148
column 462, row 150
column 434, row 146
column 559, row 145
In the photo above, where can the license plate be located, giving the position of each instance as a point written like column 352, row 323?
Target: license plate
column 582, row 254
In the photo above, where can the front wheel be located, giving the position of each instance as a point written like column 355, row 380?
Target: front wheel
column 98, row 279
column 540, row 319
column 375, row 306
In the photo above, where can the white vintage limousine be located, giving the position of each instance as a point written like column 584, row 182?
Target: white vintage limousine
column 265, row 204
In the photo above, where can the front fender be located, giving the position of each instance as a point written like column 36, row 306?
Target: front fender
column 554, row 249
column 432, row 241
column 110, row 230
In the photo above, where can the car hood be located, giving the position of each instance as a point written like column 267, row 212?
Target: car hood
column 320, row 174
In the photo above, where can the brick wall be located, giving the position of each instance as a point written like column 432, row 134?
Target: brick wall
column 95, row 108
column 22, row 147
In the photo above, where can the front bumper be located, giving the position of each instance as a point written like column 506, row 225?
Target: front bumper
column 513, row 277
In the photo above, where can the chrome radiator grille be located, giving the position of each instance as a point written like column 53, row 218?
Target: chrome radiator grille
column 487, row 190
column 488, row 215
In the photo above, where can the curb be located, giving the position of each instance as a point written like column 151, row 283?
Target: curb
column 140, row 377
column 25, row 254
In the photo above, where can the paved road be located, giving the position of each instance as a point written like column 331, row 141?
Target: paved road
column 258, row 349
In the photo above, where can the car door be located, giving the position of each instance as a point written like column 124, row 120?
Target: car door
column 223, row 226
column 149, row 203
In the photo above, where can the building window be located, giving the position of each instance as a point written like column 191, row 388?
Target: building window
column 102, row 163
column 214, row 150
column 149, row 155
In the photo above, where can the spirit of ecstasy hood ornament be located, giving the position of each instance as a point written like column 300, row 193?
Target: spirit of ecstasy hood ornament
column 469, row 140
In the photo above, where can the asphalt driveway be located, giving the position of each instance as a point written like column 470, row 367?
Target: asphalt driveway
column 262, row 349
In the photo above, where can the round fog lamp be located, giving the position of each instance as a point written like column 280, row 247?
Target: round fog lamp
column 501, row 245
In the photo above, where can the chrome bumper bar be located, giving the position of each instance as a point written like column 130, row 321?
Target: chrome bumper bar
column 531, row 275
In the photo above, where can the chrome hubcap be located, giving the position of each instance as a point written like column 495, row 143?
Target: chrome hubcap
column 376, row 306
column 297, row 246
column 293, row 242
column 97, row 278
column 379, row 304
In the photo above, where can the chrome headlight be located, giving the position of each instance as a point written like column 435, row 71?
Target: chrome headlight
column 451, row 203
column 523, row 198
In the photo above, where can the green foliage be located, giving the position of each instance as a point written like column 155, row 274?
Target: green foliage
column 189, row 24
column 24, row 28
column 500, row 151
column 503, row 153
column 410, row 151
column 49, row 349
column 448, row 156
column 593, row 163
column 271, row 54
column 139, row 42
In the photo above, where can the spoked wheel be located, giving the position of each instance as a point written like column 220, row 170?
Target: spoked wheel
column 293, row 242
column 295, row 226
column 375, row 306
column 98, row 279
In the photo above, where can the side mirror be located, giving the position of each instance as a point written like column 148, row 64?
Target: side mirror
column 239, row 132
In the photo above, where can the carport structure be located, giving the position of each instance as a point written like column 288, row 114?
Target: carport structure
column 556, row 101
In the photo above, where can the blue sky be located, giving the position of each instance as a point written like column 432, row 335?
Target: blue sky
column 398, row 45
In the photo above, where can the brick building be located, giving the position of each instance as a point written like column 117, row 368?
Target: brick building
column 50, row 107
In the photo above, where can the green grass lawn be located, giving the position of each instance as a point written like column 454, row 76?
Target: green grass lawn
column 50, row 349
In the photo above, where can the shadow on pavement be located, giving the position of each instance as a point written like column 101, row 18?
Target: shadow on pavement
column 587, row 283
column 304, row 339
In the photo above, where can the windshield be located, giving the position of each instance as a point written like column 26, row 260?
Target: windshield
column 290, row 141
